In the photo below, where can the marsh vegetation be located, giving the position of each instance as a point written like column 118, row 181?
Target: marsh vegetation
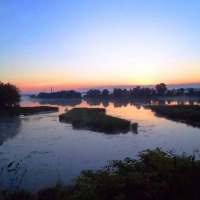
column 186, row 113
column 95, row 119
column 15, row 111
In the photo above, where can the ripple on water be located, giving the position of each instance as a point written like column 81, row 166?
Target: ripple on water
column 45, row 139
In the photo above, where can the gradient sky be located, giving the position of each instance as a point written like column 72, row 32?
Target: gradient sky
column 78, row 43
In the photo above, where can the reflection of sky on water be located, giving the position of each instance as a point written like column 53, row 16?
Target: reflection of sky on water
column 49, row 148
column 9, row 128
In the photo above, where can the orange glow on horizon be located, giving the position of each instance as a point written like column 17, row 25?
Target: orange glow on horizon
column 24, row 87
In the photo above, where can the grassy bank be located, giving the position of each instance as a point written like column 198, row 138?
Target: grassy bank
column 95, row 119
column 155, row 175
column 12, row 111
column 189, row 114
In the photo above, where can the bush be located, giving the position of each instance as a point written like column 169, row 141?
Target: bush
column 156, row 175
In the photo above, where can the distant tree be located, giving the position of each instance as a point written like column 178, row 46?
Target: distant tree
column 9, row 95
column 105, row 93
column 173, row 92
column 135, row 92
column 94, row 93
column 145, row 92
column 153, row 92
column 77, row 95
column 117, row 92
column 125, row 93
column 161, row 89
column 198, row 92
column 169, row 93
column 71, row 94
column 181, row 91
column 191, row 92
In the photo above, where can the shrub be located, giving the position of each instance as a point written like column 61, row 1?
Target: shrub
column 156, row 175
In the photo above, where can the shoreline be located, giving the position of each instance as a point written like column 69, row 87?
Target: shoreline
column 17, row 111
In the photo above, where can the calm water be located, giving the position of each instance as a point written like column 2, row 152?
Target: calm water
column 53, row 151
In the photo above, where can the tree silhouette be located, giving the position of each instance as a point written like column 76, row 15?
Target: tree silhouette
column 191, row 92
column 94, row 93
column 105, row 93
column 161, row 89
column 181, row 91
column 71, row 94
column 9, row 95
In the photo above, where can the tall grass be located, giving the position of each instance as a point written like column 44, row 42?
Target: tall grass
column 188, row 113
column 95, row 119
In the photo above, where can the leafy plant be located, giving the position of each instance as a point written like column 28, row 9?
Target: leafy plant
column 155, row 175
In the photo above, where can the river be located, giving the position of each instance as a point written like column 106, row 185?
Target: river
column 51, row 151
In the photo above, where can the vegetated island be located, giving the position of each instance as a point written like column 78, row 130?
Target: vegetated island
column 189, row 114
column 95, row 119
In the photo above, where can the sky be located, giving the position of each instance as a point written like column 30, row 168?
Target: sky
column 69, row 44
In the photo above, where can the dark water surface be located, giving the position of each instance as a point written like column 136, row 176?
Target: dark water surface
column 52, row 151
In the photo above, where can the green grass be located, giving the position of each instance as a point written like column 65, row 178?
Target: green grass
column 11, row 111
column 189, row 113
column 95, row 119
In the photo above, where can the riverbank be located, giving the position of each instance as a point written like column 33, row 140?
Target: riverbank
column 185, row 113
column 16, row 111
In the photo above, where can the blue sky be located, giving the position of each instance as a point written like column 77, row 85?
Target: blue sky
column 71, row 43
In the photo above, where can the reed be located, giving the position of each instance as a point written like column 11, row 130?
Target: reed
column 95, row 119
column 189, row 114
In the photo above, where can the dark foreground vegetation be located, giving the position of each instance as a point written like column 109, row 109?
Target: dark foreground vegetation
column 156, row 175
column 15, row 111
column 186, row 113
column 95, row 119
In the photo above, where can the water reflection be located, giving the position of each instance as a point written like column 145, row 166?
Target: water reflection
column 175, row 102
column 117, row 102
column 105, row 102
column 94, row 102
column 188, row 123
column 9, row 128
column 58, row 102
column 120, row 102
column 43, row 140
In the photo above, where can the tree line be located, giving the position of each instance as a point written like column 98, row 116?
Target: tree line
column 10, row 94
column 160, row 90
column 71, row 94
